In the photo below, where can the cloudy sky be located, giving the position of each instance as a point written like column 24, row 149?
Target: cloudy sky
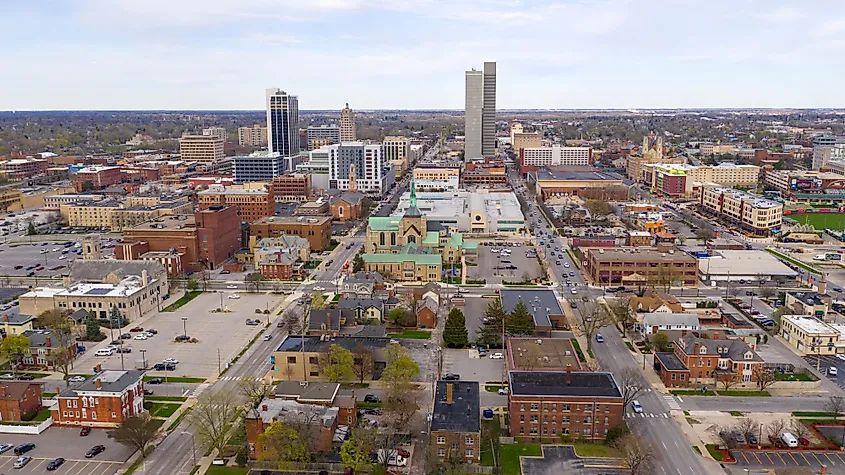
column 411, row 54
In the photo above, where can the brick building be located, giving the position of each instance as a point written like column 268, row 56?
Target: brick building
column 294, row 187
column 104, row 400
column 207, row 239
column 97, row 178
column 317, row 230
column 639, row 266
column 547, row 404
column 252, row 200
column 714, row 359
column 456, row 422
column 19, row 398
column 347, row 205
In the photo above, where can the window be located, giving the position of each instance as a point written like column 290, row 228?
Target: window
column 441, row 439
column 469, row 452
column 469, row 440
column 454, row 446
column 113, row 415
column 534, row 406
column 312, row 360
column 522, row 418
column 93, row 415
column 565, row 407
column 291, row 359
column 533, row 418
column 314, row 373
column 588, row 407
column 441, row 452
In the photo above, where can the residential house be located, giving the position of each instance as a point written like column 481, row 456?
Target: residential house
column 361, row 284
column 672, row 371
column 288, row 358
column 15, row 323
column 19, row 399
column 709, row 360
column 42, row 347
column 661, row 321
column 365, row 309
column 654, row 302
column 104, row 400
column 328, row 321
column 456, row 422
column 427, row 313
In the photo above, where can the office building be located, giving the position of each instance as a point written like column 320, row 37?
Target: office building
column 395, row 150
column 359, row 166
column 811, row 336
column 282, row 122
column 827, row 149
column 347, row 125
column 556, row 156
column 253, row 200
column 677, row 180
column 204, row 149
column 522, row 140
column 473, row 114
column 322, row 135
column 316, row 229
column 255, row 136
column 259, row 166
column 104, row 400
column 488, row 111
column 437, row 178
column 219, row 132
column 639, row 266
column 456, row 422
column 291, row 187
column 750, row 213
column 21, row 168
column 516, row 128
column 550, row 404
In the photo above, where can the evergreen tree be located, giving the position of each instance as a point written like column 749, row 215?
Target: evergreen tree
column 520, row 321
column 455, row 331
column 358, row 262
column 30, row 230
column 490, row 333
column 92, row 328
column 116, row 318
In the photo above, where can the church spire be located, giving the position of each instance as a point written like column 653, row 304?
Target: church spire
column 413, row 193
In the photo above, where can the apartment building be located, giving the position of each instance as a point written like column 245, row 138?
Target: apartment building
column 635, row 164
column 750, row 213
column 21, row 168
column 710, row 149
column 104, row 400
column 327, row 134
column 437, row 178
column 550, row 404
column 204, row 149
column 298, row 358
column 455, row 432
column 396, row 150
column 677, row 180
column 711, row 359
column 359, row 166
column 639, row 266
column 255, row 136
column 291, row 187
column 316, row 229
column 556, row 156
column 109, row 214
column 523, row 140
column 97, row 177
column 252, row 200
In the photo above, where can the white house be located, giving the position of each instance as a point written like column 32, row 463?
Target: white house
column 661, row 321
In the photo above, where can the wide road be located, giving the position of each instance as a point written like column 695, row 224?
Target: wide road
column 675, row 455
column 754, row 404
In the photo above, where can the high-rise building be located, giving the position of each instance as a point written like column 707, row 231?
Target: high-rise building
column 365, row 161
column 330, row 133
column 488, row 111
column 261, row 166
column 395, row 150
column 216, row 132
column 254, row 136
column 827, row 149
column 347, row 125
column 472, row 114
column 480, row 112
column 556, row 155
column 282, row 122
column 207, row 149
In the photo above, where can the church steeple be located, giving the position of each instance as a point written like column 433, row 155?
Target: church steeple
column 412, row 210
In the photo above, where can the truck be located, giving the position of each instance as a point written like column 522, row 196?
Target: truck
column 789, row 440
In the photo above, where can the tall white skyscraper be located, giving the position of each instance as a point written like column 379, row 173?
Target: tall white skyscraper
column 480, row 112
column 472, row 114
column 282, row 122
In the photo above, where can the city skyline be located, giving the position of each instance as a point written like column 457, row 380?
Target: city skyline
column 611, row 54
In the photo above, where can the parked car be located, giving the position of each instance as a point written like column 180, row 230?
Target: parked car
column 24, row 448
column 235, row 296
column 232, row 286
column 5, row 448
column 496, row 356
column 124, row 349
column 55, row 463
column 451, row 377
column 171, row 360
column 832, row 371
column 136, row 329
column 22, row 461
column 372, row 398
column 126, row 336
column 155, row 381
column 76, row 379
column 141, row 336
column 635, row 405
column 148, row 392
column 752, row 439
column 97, row 449
column 84, row 431
column 152, row 331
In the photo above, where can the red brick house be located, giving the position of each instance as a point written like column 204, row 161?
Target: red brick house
column 427, row 313
column 104, row 400
column 17, row 398
column 671, row 370
column 712, row 359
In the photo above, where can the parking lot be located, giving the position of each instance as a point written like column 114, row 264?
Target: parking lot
column 788, row 458
column 471, row 367
column 66, row 442
column 495, row 267
column 825, row 362
column 474, row 308
column 221, row 335
column 23, row 254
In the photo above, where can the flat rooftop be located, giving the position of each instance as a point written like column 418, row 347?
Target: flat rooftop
column 541, row 354
column 566, row 175
column 637, row 254
column 293, row 220
column 739, row 263
column 184, row 221
column 562, row 384
column 540, row 302
column 463, row 413
column 810, row 325
column 670, row 361
column 452, row 204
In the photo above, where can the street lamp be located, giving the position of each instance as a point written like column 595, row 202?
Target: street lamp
column 144, row 358
column 185, row 327
column 193, row 446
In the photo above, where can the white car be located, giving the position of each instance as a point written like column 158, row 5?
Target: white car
column 637, row 407
column 566, row 264
column 235, row 296
column 832, row 371
column 841, row 356
column 108, row 351
column 496, row 356
column 141, row 336
column 171, row 360
column 319, row 288
column 62, row 257
column 573, row 291
column 233, row 286
column 268, row 337
column 76, row 379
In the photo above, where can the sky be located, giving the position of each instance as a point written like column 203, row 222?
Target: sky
column 412, row 54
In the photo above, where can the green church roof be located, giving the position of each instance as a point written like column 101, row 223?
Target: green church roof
column 419, row 259
column 384, row 223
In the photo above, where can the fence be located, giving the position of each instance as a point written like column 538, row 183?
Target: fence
column 31, row 429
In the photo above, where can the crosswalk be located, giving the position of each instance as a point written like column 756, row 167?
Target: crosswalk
column 664, row 415
column 200, row 389
column 671, row 402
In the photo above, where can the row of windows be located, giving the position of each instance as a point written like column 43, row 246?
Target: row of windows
column 563, row 419
column 564, row 431
column 442, row 440
column 564, row 407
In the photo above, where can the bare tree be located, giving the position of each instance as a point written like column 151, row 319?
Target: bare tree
column 746, row 426
column 726, row 382
column 205, row 278
column 765, row 379
column 632, row 384
column 137, row 432
column 638, row 453
column 362, row 362
column 775, row 428
column 211, row 416
column 724, row 435
column 733, row 291
column 835, row 405
column 254, row 389
column 767, row 292
column 623, row 315
column 798, row 429
column 593, row 318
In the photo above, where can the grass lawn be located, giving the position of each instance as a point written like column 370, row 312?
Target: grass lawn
column 697, row 450
column 182, row 301
column 595, row 450
column 796, row 262
column 218, row 470
column 735, row 413
column 820, row 221
column 511, row 453
column 821, row 414
column 158, row 409
column 490, row 432
column 744, row 393
column 492, row 388
column 691, row 392
column 714, row 453
column 42, row 415
column 412, row 334
column 368, row 405
column 48, row 394
column 630, row 346
column 578, row 349
column 793, row 377
column 165, row 398
column 177, row 379
column 354, row 385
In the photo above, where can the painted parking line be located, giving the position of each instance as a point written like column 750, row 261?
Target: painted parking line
column 771, row 462
column 781, row 458
column 817, row 458
column 806, row 459
column 791, row 455
column 69, row 467
column 83, row 467
column 831, row 460
column 758, row 458
column 38, row 463
column 106, row 468
column 745, row 457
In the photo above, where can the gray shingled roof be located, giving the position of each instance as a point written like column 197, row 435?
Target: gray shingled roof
column 733, row 349
column 97, row 270
column 541, row 303
column 363, row 303
column 307, row 391
column 112, row 381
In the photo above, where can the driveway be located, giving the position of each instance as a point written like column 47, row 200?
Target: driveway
column 471, row 367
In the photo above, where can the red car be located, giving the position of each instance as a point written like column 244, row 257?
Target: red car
column 803, row 441
column 84, row 431
column 136, row 329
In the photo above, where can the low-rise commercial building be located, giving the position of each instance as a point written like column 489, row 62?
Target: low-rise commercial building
column 640, row 266
column 808, row 303
column 316, row 229
column 97, row 177
column 542, row 304
column 456, row 422
column 437, row 178
column 252, row 200
column 811, row 336
column 104, row 400
column 588, row 185
column 750, row 213
column 477, row 212
column 299, row 358
column 750, row 265
column 550, row 404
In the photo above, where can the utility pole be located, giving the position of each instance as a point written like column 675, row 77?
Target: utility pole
column 218, row 361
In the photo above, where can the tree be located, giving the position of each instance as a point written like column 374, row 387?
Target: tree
column 62, row 358
column 727, row 382
column 638, row 453
column 254, row 389
column 835, row 405
column 318, row 300
column 724, row 435
column 358, row 262
column 400, row 404
column 765, row 379
column 116, row 318
column 620, row 310
column 400, row 368
column 704, row 235
column 212, row 415
column 396, row 316
column 597, row 208
column 30, row 229
column 362, row 362
column 337, row 365
column 490, row 333
column 593, row 319
column 253, row 281
column 355, row 452
column 767, row 292
column 192, row 285
column 92, row 328
column 455, row 331
column 632, row 384
column 13, row 348
column 520, row 321
column 798, row 429
column 137, row 432
column 746, row 426
column 205, row 277
column 282, row 444
column 661, row 342
column 775, row 428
